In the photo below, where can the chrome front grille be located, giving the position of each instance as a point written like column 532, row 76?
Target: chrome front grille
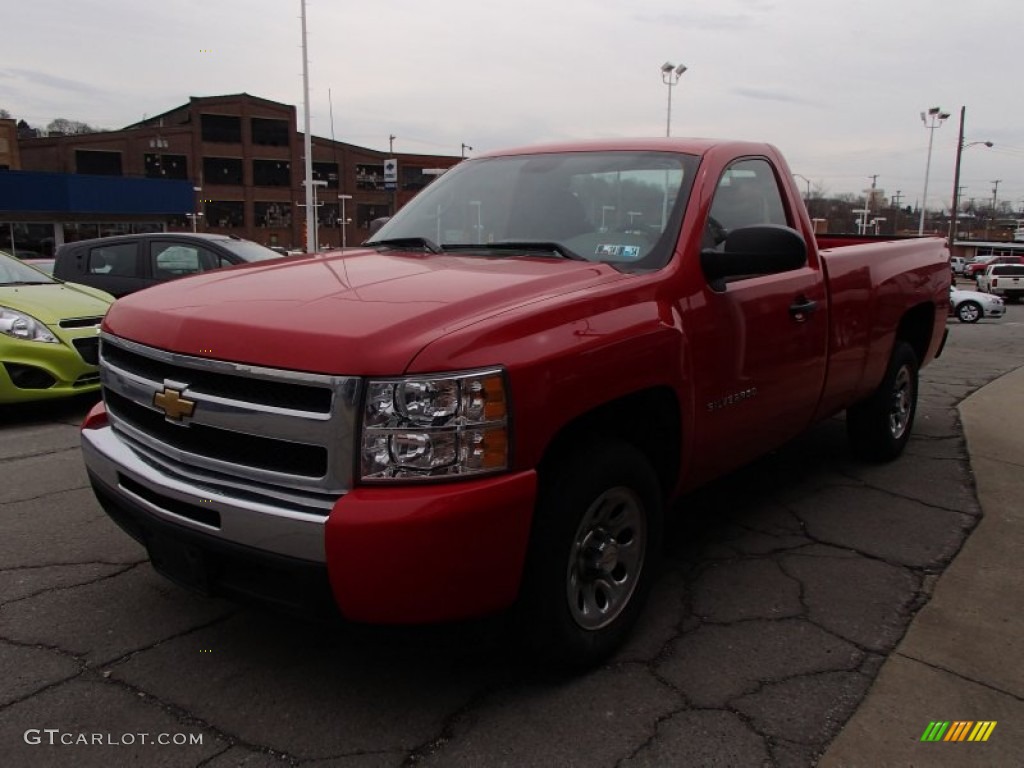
column 263, row 435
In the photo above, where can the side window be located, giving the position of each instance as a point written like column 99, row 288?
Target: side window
column 114, row 260
column 172, row 260
column 747, row 194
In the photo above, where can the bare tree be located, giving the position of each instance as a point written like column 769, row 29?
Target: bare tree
column 64, row 127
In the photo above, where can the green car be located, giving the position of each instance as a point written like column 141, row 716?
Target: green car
column 49, row 334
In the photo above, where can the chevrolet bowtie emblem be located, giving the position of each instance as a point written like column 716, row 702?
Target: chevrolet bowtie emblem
column 174, row 406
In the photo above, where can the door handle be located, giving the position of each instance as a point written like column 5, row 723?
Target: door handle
column 801, row 308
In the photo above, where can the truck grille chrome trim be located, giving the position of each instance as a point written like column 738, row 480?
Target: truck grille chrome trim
column 262, row 435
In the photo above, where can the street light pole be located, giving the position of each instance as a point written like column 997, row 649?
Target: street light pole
column 932, row 120
column 316, row 213
column 344, row 221
column 195, row 208
column 670, row 74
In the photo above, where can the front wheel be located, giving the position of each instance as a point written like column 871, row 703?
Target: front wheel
column 969, row 312
column 879, row 427
column 594, row 550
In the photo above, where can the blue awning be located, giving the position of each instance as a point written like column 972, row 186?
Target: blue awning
column 40, row 192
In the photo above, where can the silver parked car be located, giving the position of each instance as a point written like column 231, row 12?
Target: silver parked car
column 971, row 306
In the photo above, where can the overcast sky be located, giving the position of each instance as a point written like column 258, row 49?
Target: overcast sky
column 837, row 86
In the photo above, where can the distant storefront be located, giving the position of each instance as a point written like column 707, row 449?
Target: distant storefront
column 970, row 249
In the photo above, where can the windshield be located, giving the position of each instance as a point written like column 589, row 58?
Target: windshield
column 13, row 272
column 247, row 250
column 622, row 208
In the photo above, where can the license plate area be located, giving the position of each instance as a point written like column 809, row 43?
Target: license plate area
column 181, row 562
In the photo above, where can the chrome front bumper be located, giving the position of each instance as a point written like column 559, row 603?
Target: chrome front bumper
column 205, row 510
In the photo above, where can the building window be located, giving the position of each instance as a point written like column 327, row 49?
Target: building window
column 271, row 173
column 222, row 170
column 415, row 178
column 367, row 212
column 80, row 230
column 139, row 227
column 166, row 166
column 98, row 162
column 273, row 214
column 226, row 214
column 269, row 133
column 328, row 214
column 370, row 176
column 222, row 128
column 31, row 241
column 112, row 228
column 326, row 172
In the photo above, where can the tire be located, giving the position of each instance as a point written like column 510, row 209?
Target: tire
column 594, row 552
column 879, row 428
column 968, row 312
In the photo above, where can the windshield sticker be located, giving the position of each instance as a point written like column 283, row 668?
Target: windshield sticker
column 622, row 252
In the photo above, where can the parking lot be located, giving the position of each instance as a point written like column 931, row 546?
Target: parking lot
column 785, row 587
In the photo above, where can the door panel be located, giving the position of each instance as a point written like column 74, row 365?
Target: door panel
column 759, row 345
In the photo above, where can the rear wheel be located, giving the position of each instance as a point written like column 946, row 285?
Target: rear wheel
column 594, row 551
column 879, row 427
column 969, row 312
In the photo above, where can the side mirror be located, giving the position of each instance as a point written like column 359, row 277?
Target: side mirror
column 764, row 249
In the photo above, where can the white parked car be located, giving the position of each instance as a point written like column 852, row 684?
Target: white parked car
column 971, row 306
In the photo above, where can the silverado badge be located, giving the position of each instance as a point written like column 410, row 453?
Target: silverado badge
column 174, row 406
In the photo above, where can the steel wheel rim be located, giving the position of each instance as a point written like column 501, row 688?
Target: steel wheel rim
column 969, row 312
column 902, row 400
column 606, row 558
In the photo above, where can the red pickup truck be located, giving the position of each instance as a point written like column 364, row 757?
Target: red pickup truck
column 494, row 402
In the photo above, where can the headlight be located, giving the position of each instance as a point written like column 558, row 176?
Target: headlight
column 435, row 426
column 18, row 325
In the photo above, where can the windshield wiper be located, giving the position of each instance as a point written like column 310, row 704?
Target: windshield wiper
column 27, row 282
column 407, row 242
column 542, row 246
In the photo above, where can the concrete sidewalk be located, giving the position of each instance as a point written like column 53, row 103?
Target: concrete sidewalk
column 962, row 658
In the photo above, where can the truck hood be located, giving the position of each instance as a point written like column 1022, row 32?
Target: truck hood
column 361, row 313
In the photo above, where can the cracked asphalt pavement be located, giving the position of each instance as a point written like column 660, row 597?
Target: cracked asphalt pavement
column 785, row 587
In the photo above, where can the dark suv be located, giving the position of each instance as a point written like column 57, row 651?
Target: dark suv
column 126, row 263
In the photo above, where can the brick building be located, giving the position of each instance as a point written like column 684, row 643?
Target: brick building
column 9, row 159
column 244, row 158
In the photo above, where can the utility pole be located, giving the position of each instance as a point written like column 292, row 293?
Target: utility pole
column 956, row 181
column 896, row 211
column 995, row 196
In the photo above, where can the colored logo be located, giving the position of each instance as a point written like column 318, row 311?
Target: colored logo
column 174, row 406
column 958, row 730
